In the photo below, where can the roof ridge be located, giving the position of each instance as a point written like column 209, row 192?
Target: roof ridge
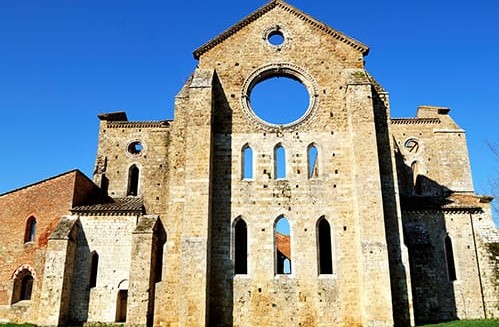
column 44, row 180
column 293, row 10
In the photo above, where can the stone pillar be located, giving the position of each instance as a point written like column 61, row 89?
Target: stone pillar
column 146, row 240
column 58, row 273
column 194, row 245
column 374, row 279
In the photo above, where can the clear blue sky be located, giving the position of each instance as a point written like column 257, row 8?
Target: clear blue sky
column 63, row 62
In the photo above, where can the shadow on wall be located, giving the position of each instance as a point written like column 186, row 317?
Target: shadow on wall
column 221, row 265
column 398, row 268
column 431, row 255
column 424, row 234
column 85, row 263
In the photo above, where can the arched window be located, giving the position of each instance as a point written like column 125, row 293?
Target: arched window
column 26, row 287
column 324, row 251
column 133, row 181
column 159, row 244
column 416, row 177
column 23, row 286
column 94, row 265
column 313, row 163
column 247, row 162
column 449, row 254
column 30, row 230
column 240, row 247
column 279, row 161
column 282, row 247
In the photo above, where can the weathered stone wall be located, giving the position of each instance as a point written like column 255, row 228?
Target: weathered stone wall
column 110, row 236
column 441, row 152
column 436, row 296
column 385, row 262
column 342, row 128
column 115, row 156
column 46, row 201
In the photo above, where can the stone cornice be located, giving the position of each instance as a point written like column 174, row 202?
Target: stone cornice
column 139, row 124
column 364, row 49
column 415, row 121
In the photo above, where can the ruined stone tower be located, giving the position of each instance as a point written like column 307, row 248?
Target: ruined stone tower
column 183, row 226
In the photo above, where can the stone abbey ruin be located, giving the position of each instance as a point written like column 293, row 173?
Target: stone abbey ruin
column 179, row 225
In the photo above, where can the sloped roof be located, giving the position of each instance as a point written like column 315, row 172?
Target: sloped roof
column 283, row 245
column 453, row 202
column 364, row 49
column 125, row 206
column 77, row 171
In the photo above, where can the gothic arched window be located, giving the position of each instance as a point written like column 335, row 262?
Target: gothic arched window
column 279, row 162
column 416, row 177
column 247, row 162
column 30, row 230
column 313, row 163
column 94, row 265
column 240, row 247
column 324, row 249
column 449, row 254
column 282, row 246
column 23, row 286
column 133, row 181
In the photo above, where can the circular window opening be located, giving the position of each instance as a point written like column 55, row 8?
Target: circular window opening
column 276, row 38
column 279, row 100
column 135, row 148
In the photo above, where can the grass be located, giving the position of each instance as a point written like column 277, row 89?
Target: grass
column 458, row 323
column 468, row 323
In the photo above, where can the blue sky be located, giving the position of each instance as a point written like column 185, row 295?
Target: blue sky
column 64, row 62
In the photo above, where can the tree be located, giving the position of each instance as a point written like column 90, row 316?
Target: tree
column 494, row 180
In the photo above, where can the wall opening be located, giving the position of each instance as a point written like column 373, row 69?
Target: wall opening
column 247, row 164
column 133, row 181
column 279, row 162
column 282, row 246
column 279, row 99
column 135, row 148
column 313, row 163
column 30, row 230
column 324, row 247
column 94, row 265
column 23, row 286
column 121, row 305
column 276, row 38
column 159, row 244
column 449, row 254
column 416, row 177
column 240, row 247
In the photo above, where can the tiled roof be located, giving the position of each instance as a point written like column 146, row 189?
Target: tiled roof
column 45, row 180
column 126, row 206
column 283, row 245
column 453, row 202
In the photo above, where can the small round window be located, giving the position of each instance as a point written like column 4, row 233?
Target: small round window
column 276, row 38
column 135, row 148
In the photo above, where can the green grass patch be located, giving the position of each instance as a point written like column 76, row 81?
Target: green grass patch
column 468, row 323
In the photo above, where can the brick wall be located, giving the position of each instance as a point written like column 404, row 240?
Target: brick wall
column 47, row 201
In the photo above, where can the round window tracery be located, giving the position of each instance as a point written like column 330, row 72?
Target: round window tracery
column 135, row 148
column 290, row 74
column 276, row 37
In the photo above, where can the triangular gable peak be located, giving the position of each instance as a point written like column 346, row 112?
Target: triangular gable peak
column 362, row 48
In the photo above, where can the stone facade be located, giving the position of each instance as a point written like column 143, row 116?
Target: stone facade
column 384, row 226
